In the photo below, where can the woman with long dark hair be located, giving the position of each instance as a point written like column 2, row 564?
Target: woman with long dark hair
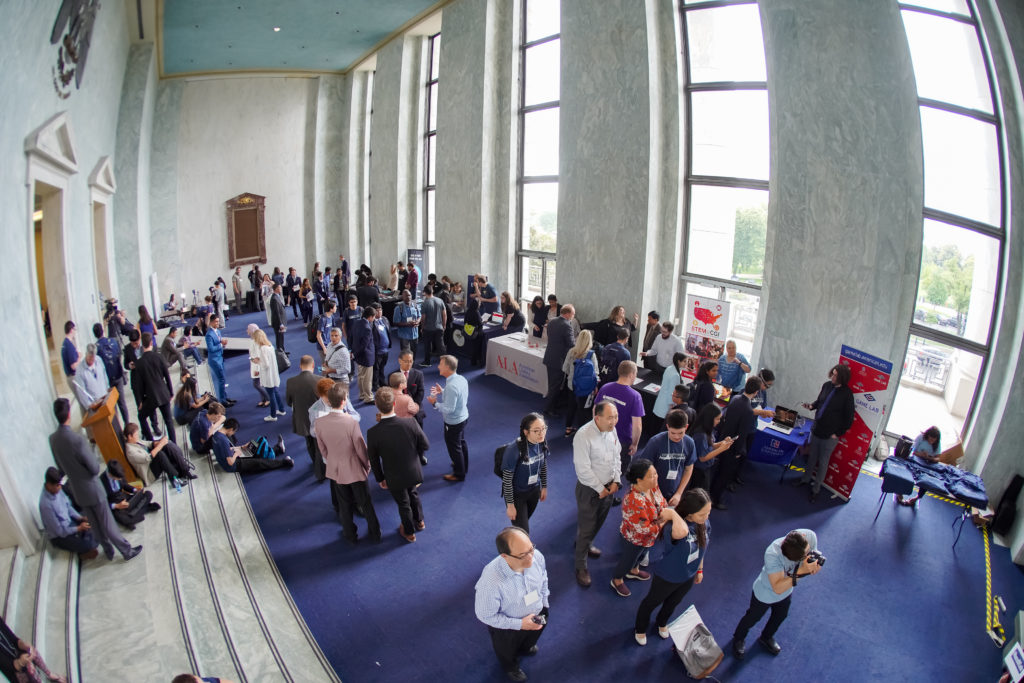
column 146, row 323
column 702, row 391
column 681, row 567
column 703, row 434
column 512, row 316
column 538, row 316
column 524, row 471
column 926, row 446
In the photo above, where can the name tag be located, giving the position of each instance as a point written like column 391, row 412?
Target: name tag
column 672, row 474
column 295, row 288
column 531, row 598
column 533, row 479
column 694, row 553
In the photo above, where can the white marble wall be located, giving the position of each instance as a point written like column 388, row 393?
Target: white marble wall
column 354, row 106
column 163, row 191
column 844, row 220
column 328, row 192
column 27, row 60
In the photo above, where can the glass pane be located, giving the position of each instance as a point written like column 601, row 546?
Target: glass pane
column 531, row 274
column 951, row 6
column 542, row 73
column 961, row 170
column 431, row 159
column 725, row 44
column 429, row 199
column 958, row 281
column 728, row 227
column 540, row 216
column 540, row 142
column 730, row 133
column 542, row 19
column 936, row 387
column 430, row 259
column 947, row 59
column 435, row 57
column 432, row 103
column 549, row 277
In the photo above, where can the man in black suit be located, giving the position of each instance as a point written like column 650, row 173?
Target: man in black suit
column 560, row 340
column 277, row 317
column 413, row 382
column 300, row 394
column 132, row 353
column 157, row 390
column 737, row 422
column 292, row 284
column 369, row 292
column 73, row 456
column 128, row 504
column 394, row 447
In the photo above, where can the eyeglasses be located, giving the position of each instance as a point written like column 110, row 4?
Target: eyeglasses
column 522, row 556
column 538, row 430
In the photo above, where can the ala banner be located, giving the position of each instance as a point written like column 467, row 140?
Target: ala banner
column 705, row 323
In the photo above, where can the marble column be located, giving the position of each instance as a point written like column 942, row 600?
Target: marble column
column 844, row 218
column 325, row 240
column 163, row 191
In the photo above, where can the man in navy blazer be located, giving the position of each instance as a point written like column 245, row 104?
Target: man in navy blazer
column 394, row 446
column 73, row 456
column 414, row 382
column 560, row 340
column 364, row 353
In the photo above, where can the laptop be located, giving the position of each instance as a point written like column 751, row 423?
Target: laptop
column 784, row 421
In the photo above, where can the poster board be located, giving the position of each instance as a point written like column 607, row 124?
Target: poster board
column 869, row 381
column 705, row 322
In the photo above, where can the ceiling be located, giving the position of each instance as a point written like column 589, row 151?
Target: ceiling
column 217, row 36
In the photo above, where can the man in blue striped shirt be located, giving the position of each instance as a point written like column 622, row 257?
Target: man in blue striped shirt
column 512, row 599
column 454, row 407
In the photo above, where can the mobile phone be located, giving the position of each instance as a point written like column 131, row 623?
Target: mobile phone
column 539, row 619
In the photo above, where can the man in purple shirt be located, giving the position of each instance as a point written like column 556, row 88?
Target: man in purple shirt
column 631, row 409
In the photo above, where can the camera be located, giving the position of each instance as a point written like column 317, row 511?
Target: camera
column 539, row 619
column 815, row 557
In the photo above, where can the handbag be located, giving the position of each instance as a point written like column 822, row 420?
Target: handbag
column 283, row 362
column 694, row 644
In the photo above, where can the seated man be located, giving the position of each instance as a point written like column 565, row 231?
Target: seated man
column 169, row 349
column 128, row 504
column 232, row 458
column 202, row 429
column 67, row 529
column 154, row 458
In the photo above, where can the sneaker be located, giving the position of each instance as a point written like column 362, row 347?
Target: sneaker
column 270, row 418
column 641, row 638
column 281, row 412
column 639, row 575
column 646, row 561
column 622, row 590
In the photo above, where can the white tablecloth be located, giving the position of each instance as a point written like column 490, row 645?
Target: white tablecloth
column 510, row 357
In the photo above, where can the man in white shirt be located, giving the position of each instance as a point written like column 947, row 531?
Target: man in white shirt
column 90, row 381
column 595, row 455
column 663, row 348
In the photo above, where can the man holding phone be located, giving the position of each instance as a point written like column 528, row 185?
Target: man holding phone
column 512, row 599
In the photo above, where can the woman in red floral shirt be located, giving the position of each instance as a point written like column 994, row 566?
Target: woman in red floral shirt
column 644, row 513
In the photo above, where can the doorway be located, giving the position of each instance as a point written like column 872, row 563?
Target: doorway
column 51, row 275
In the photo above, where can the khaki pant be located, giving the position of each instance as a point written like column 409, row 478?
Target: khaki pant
column 365, row 374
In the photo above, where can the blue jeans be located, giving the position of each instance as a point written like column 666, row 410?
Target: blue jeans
column 629, row 557
column 275, row 400
column 217, row 374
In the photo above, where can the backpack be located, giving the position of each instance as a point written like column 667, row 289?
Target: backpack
column 259, row 448
column 108, row 352
column 584, row 375
column 311, row 329
column 609, row 364
column 499, row 455
column 694, row 644
column 902, row 448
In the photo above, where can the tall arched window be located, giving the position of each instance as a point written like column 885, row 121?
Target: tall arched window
column 538, row 147
column 726, row 199
column 430, row 149
column 963, row 219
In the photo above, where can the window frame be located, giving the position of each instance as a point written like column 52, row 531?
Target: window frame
column 430, row 135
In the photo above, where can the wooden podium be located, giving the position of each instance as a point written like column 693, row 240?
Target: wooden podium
column 101, row 423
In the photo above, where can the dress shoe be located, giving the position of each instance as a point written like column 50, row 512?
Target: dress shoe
column 529, row 652
column 583, row 577
column 452, row 477
column 109, row 553
column 409, row 538
column 739, row 650
column 770, row 645
column 91, row 555
column 191, row 476
column 130, row 527
column 288, row 462
column 423, row 460
column 153, row 507
column 132, row 552
column 421, row 525
column 594, row 552
column 279, row 446
column 720, row 506
column 230, row 402
column 617, row 500
column 516, row 674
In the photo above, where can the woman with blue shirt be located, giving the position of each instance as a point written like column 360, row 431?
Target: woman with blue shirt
column 703, row 434
column 672, row 376
column 733, row 368
column 524, row 471
column 681, row 567
column 926, row 447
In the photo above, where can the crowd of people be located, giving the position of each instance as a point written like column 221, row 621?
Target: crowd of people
column 693, row 457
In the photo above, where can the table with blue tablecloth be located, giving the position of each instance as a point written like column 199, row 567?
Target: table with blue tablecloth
column 776, row 448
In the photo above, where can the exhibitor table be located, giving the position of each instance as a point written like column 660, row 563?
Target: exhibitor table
column 511, row 358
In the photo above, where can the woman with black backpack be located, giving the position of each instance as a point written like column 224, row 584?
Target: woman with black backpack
column 524, row 471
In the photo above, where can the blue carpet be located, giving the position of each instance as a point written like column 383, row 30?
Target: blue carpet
column 894, row 602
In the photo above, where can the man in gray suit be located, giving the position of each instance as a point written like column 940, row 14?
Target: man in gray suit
column 277, row 317
column 560, row 339
column 300, row 394
column 73, row 456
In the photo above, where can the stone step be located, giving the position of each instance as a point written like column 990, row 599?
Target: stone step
column 20, row 612
column 56, row 590
column 8, row 556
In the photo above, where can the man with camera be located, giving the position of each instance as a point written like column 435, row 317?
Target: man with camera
column 786, row 561
column 512, row 599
